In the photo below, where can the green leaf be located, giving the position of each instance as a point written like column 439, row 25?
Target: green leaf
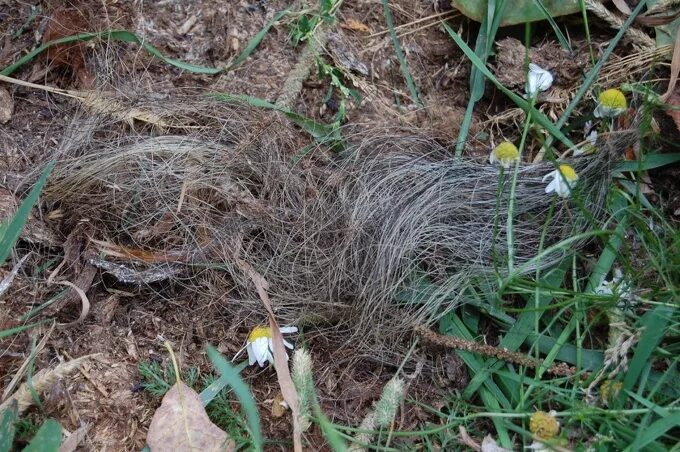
column 47, row 438
column 13, row 230
column 483, row 47
column 242, row 393
column 648, row 162
column 522, row 10
column 7, row 428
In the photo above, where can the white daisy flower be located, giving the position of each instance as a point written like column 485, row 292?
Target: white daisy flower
column 610, row 103
column 620, row 287
column 538, row 79
column 505, row 154
column 564, row 178
column 260, row 347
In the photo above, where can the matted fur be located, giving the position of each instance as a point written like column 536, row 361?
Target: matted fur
column 384, row 235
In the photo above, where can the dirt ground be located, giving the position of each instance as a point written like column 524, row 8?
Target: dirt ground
column 125, row 323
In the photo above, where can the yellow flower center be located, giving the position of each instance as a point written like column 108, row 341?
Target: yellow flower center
column 543, row 425
column 506, row 151
column 568, row 172
column 613, row 98
column 259, row 332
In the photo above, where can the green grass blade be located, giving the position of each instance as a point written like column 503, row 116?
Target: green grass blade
column 128, row 36
column 519, row 101
column 564, row 42
column 7, row 427
column 485, row 38
column 209, row 393
column 452, row 325
column 47, row 438
column 654, row 323
column 17, row 223
column 242, row 393
column 253, row 43
column 19, row 329
column 403, row 65
column 329, row 431
column 519, row 331
column 655, row 430
column 592, row 75
column 648, row 162
column 115, row 35
column 321, row 132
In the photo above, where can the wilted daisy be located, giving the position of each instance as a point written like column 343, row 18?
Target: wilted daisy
column 260, row 347
column 544, row 425
column 564, row 178
column 538, row 79
column 505, row 154
column 610, row 103
column 619, row 286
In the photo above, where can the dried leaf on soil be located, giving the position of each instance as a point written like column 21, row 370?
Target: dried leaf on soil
column 355, row 25
column 181, row 423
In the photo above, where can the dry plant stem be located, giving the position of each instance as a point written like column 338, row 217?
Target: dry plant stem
column 637, row 37
column 43, row 380
column 293, row 84
column 20, row 373
column 520, row 359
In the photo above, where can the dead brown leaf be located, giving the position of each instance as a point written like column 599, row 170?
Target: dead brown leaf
column 674, row 113
column 280, row 356
column 181, row 423
column 279, row 405
column 355, row 25
column 62, row 23
column 6, row 106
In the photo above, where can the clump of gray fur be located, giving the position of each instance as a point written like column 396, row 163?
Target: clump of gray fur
column 382, row 236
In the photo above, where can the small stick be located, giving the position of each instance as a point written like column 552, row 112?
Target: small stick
column 521, row 359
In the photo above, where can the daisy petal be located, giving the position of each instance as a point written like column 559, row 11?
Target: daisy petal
column 251, row 355
column 287, row 344
column 288, row 329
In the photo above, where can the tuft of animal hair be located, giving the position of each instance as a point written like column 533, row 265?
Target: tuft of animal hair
column 376, row 239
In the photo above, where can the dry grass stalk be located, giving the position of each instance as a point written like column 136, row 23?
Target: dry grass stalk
column 638, row 38
column 502, row 354
column 42, row 381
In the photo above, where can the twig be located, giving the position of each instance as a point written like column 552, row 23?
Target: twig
column 562, row 369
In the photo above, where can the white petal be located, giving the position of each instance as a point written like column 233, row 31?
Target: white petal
column 550, row 174
column 599, row 112
column 592, row 137
column 287, row 344
column 261, row 350
column 492, row 158
column 288, row 329
column 538, row 79
column 552, row 186
column 251, row 354
column 564, row 190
